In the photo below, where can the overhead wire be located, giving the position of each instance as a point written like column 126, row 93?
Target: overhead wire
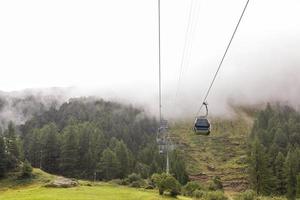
column 223, row 57
column 193, row 18
column 159, row 63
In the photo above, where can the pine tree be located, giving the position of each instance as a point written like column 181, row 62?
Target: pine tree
column 12, row 146
column 69, row 152
column 85, row 160
column 123, row 158
column 109, row 165
column 281, row 138
column 298, row 187
column 3, row 157
column 280, row 174
column 178, row 167
column 26, row 170
column 50, row 152
column 35, row 148
column 291, row 166
column 258, row 168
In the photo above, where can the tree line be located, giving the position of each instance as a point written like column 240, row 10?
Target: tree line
column 88, row 138
column 274, row 152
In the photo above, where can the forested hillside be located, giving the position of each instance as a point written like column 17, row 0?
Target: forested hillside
column 89, row 138
column 274, row 165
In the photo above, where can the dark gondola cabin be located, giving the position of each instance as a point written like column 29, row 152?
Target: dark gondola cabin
column 202, row 126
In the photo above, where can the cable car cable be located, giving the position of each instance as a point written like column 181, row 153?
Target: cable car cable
column 159, row 63
column 220, row 64
column 184, row 47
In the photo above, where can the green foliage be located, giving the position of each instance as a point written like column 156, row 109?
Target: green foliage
column 190, row 187
column 198, row 194
column 122, row 154
column 215, row 195
column 50, row 151
column 26, row 170
column 274, row 156
column 291, row 172
column 109, row 166
column 69, row 154
column 259, row 171
column 280, row 174
column 298, row 186
column 166, row 182
column 71, row 140
column 218, row 183
column 247, row 195
column 134, row 177
column 178, row 167
column 3, row 157
column 12, row 146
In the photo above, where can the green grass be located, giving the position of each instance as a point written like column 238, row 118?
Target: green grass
column 13, row 188
column 13, row 181
column 99, row 192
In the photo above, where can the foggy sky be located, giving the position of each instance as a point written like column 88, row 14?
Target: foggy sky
column 109, row 48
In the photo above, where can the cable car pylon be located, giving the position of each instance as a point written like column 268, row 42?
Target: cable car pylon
column 162, row 137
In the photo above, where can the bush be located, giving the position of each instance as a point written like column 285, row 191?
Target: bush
column 116, row 181
column 198, row 194
column 134, row 177
column 166, row 182
column 247, row 195
column 156, row 179
column 149, row 184
column 190, row 187
column 218, row 183
column 26, row 170
column 136, row 184
column 216, row 195
column 298, row 186
column 212, row 186
column 139, row 184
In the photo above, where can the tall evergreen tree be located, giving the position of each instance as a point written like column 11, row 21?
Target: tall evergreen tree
column 109, row 167
column 291, row 165
column 280, row 174
column 69, row 152
column 178, row 167
column 258, row 168
column 86, row 162
column 3, row 158
column 298, row 187
column 50, row 152
column 35, row 148
column 12, row 146
column 122, row 154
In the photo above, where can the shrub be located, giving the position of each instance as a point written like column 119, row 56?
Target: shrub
column 218, row 183
column 26, row 170
column 298, row 186
column 156, row 179
column 166, row 182
column 136, row 184
column 247, row 195
column 134, row 177
column 212, row 186
column 190, row 187
column 215, row 195
column 116, row 181
column 198, row 194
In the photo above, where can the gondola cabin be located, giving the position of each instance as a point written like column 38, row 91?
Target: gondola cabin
column 202, row 126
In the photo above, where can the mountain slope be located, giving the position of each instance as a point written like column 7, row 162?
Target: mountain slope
column 222, row 154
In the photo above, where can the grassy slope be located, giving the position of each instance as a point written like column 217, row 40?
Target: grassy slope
column 14, row 189
column 223, row 153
